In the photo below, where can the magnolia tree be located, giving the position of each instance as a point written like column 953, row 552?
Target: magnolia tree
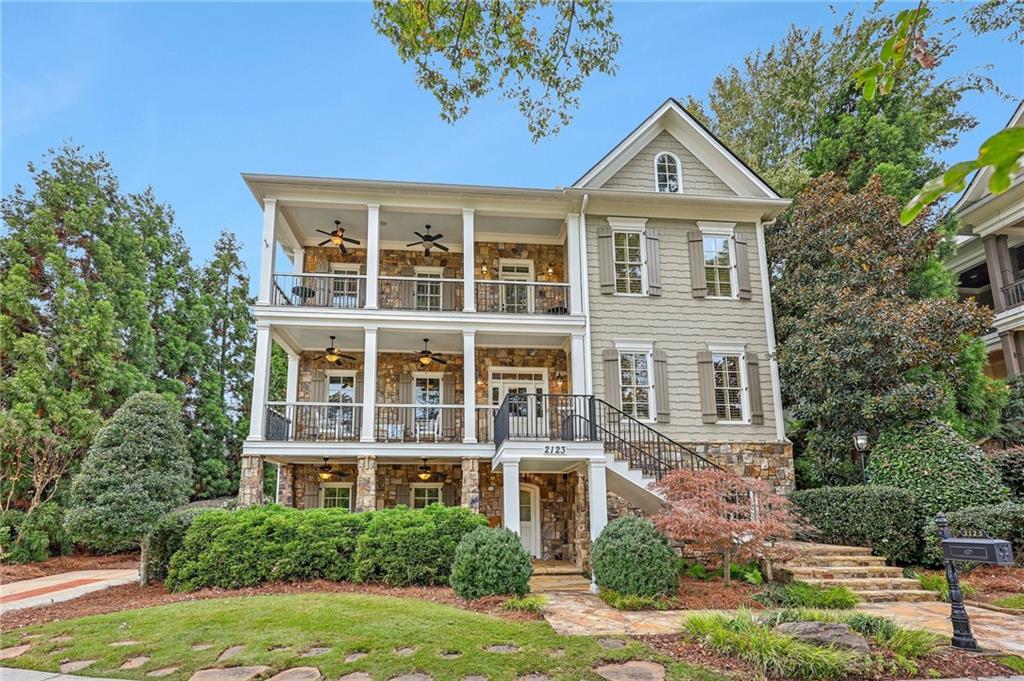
column 720, row 514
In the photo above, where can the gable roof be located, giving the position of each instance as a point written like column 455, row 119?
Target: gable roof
column 977, row 189
column 672, row 117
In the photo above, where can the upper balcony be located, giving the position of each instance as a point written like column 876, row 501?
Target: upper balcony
column 429, row 261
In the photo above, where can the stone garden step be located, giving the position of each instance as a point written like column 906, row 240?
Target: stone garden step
column 542, row 583
column 836, row 561
column 868, row 583
column 907, row 595
column 827, row 549
column 804, row 573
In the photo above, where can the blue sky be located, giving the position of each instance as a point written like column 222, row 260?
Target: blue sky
column 184, row 97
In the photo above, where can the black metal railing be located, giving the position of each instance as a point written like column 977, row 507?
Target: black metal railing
column 585, row 418
column 423, row 294
column 485, row 423
column 320, row 290
column 312, row 422
column 419, row 423
column 522, row 297
column 1013, row 294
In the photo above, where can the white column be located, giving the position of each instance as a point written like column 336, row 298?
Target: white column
column 468, row 261
column 298, row 260
column 292, row 387
column 260, row 381
column 372, row 255
column 598, row 498
column 510, row 495
column 574, row 256
column 268, row 251
column 369, row 383
column 578, row 364
column 469, row 386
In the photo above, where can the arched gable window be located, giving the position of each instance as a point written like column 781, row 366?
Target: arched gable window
column 666, row 171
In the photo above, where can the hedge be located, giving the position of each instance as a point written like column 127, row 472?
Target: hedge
column 632, row 558
column 168, row 537
column 1010, row 463
column 886, row 519
column 1001, row 521
column 491, row 561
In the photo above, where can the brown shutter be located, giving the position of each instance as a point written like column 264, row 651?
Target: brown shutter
column 448, row 495
column 358, row 388
column 405, row 397
column 742, row 266
column 449, row 417
column 448, row 290
column 318, row 387
column 312, row 493
column 706, row 380
column 653, row 262
column 361, row 287
column 606, row 261
column 754, row 388
column 406, row 293
column 661, row 386
column 612, row 391
column 698, row 278
column 402, row 495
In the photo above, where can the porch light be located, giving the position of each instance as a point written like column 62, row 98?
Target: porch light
column 483, row 269
column 860, row 441
column 425, row 360
column 332, row 356
column 336, row 239
column 551, row 270
column 559, row 381
column 424, row 471
column 325, row 471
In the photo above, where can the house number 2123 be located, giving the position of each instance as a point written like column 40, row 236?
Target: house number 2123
column 554, row 449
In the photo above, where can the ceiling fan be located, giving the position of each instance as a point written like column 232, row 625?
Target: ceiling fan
column 337, row 237
column 334, row 355
column 429, row 241
column 428, row 357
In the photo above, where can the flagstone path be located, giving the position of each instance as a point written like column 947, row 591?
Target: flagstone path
column 29, row 593
column 584, row 614
column 994, row 630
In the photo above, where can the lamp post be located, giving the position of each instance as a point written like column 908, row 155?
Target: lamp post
column 861, row 442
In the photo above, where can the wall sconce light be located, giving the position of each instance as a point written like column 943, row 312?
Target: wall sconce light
column 551, row 270
column 483, row 269
column 480, row 382
column 559, row 381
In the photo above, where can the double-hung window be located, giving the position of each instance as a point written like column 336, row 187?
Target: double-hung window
column 729, row 372
column 428, row 293
column 336, row 495
column 719, row 261
column 424, row 494
column 629, row 261
column 636, row 384
column 345, row 286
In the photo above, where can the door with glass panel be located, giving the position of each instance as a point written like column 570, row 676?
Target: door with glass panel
column 529, row 521
column 345, row 288
column 427, row 418
column 525, row 413
column 428, row 293
column 516, row 298
column 340, row 420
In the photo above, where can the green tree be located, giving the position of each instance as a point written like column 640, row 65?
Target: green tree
column 137, row 469
column 537, row 53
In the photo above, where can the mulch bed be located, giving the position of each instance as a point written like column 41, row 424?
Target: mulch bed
column 54, row 566
column 994, row 583
column 132, row 596
column 700, row 594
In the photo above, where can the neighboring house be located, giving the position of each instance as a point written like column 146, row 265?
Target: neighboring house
column 555, row 352
column 989, row 262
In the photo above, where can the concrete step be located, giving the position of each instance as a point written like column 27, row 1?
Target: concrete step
column 868, row 583
column 907, row 595
column 836, row 561
column 543, row 583
column 553, row 567
column 803, row 573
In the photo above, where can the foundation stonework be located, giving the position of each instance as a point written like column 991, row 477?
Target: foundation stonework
column 770, row 462
column 366, row 483
column 250, row 482
column 395, row 481
column 286, row 484
column 471, row 483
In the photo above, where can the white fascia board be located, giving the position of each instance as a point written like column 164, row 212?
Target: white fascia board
column 388, row 450
column 401, row 319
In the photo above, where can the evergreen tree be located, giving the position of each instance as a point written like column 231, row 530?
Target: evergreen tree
column 137, row 469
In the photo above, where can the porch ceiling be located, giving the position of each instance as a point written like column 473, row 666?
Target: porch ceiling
column 401, row 340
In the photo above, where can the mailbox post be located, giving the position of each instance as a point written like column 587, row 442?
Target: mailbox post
column 967, row 549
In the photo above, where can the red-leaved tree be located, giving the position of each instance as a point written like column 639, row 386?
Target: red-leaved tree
column 720, row 514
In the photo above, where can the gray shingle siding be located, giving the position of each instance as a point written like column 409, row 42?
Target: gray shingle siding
column 638, row 173
column 681, row 326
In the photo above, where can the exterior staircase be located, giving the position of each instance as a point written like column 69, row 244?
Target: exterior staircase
column 555, row 575
column 854, row 567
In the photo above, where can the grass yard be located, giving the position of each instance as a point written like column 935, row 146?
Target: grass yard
column 277, row 630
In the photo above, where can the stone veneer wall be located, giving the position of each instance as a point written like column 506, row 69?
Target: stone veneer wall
column 490, row 253
column 556, row 362
column 391, row 366
column 771, row 462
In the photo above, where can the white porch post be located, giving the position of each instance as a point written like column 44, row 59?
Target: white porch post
column 260, row 381
column 372, row 255
column 292, row 387
column 510, row 495
column 468, row 261
column 298, row 260
column 574, row 254
column 578, row 362
column 598, row 498
column 469, row 386
column 268, row 251
column 369, row 383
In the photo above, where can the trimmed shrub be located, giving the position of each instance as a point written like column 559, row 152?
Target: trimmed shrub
column 1010, row 463
column 627, row 602
column 944, row 471
column 168, row 537
column 490, row 562
column 1002, row 521
column 632, row 558
column 323, row 545
column 402, row 546
column 886, row 519
column 804, row 595
column 27, row 538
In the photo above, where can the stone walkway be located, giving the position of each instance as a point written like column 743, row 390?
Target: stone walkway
column 994, row 630
column 584, row 614
column 29, row 593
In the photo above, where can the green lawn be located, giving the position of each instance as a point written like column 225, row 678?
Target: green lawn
column 1016, row 601
column 345, row 623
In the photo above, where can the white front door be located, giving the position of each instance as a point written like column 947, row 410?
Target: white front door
column 525, row 413
column 529, row 519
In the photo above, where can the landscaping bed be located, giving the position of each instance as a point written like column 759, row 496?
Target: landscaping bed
column 59, row 564
column 1002, row 587
column 696, row 594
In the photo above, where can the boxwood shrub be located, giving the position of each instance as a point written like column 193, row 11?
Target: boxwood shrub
column 168, row 537
column 886, row 519
column 1002, row 521
column 943, row 470
column 490, row 562
column 633, row 559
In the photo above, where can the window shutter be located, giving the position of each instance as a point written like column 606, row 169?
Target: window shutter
column 448, row 290
column 754, row 388
column 742, row 266
column 312, row 494
column 698, row 278
column 448, row 495
column 612, row 391
column 606, row 262
column 402, row 497
column 706, row 379
column 407, row 293
column 405, row 397
column 449, row 416
column 358, row 388
column 661, row 386
column 361, row 287
column 653, row 262
column 318, row 387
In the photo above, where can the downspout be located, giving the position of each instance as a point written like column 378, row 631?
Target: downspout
column 769, row 320
column 589, row 360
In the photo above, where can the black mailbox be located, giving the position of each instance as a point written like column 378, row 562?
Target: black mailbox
column 978, row 550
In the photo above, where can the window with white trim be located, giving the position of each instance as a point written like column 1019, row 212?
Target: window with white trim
column 630, row 273
column 666, row 170
column 424, row 494
column 336, row 495
column 428, row 293
column 718, row 266
column 427, row 391
column 341, row 389
column 636, row 384
column 729, row 372
column 345, row 289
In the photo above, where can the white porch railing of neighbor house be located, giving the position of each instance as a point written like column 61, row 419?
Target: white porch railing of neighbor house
column 419, row 423
column 424, row 294
column 1013, row 294
column 312, row 422
column 320, row 290
column 522, row 297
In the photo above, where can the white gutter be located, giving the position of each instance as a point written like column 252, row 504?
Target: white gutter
column 769, row 320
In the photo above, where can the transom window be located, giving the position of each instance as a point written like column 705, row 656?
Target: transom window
column 515, row 298
column 666, row 167
column 635, row 383
column 336, row 495
column 428, row 293
column 718, row 266
column 629, row 269
column 729, row 388
column 425, row 495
